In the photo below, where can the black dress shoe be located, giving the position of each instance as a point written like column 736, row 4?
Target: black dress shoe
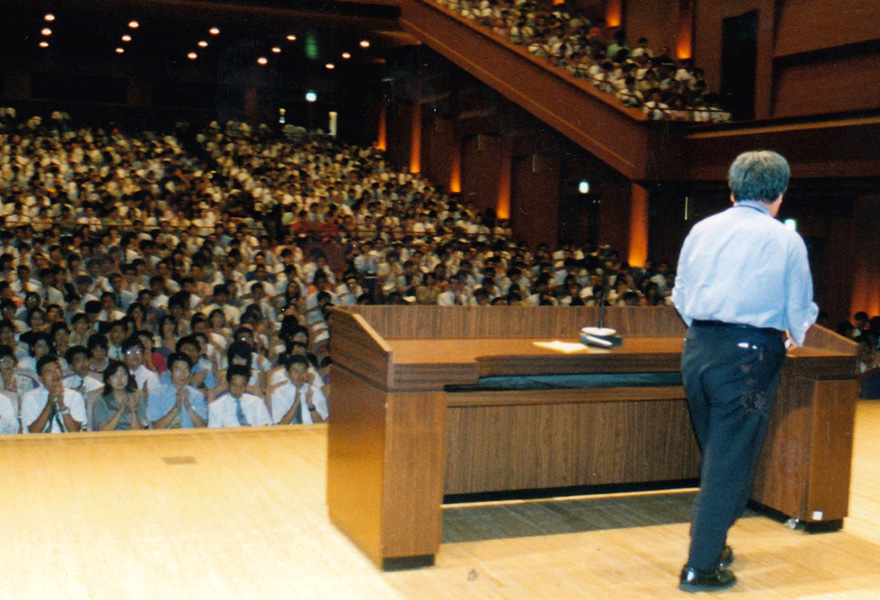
column 725, row 559
column 693, row 580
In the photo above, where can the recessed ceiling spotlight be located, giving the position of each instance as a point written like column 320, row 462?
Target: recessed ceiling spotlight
column 365, row 43
column 192, row 56
column 291, row 38
column 346, row 55
column 133, row 24
column 46, row 31
column 203, row 44
column 126, row 38
column 49, row 17
column 214, row 31
column 276, row 50
column 44, row 44
column 263, row 61
column 120, row 50
column 330, row 66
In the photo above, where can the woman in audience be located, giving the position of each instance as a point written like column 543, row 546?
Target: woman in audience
column 120, row 406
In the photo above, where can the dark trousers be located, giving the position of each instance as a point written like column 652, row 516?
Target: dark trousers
column 730, row 378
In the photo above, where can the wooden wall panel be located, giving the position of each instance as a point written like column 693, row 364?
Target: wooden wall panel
column 708, row 18
column 399, row 134
column 809, row 25
column 439, row 145
column 655, row 20
column 828, row 84
column 535, row 199
column 480, row 171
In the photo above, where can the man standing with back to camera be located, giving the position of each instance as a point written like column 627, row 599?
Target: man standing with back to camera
column 743, row 280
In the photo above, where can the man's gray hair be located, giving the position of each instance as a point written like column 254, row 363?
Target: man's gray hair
column 760, row 175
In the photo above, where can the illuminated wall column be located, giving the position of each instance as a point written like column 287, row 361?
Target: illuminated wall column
column 415, row 156
column 382, row 135
column 502, row 207
column 684, row 38
column 614, row 13
column 455, row 167
column 866, row 267
column 638, row 226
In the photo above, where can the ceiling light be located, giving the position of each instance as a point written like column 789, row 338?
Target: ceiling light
column 44, row 44
column 365, row 43
column 49, row 17
column 330, row 66
column 346, row 55
column 126, row 38
column 192, row 56
column 120, row 50
column 263, row 61
column 276, row 50
column 203, row 44
column 46, row 31
column 291, row 38
column 214, row 31
column 133, row 24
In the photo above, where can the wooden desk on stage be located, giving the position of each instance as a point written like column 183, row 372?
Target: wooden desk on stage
column 398, row 440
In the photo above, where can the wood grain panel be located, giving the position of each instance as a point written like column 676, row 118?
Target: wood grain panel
column 781, row 477
column 431, row 322
column 355, row 461
column 832, row 443
column 412, row 492
column 358, row 347
column 820, row 337
column 805, row 463
column 542, row 445
column 810, row 25
column 385, row 468
column 800, row 87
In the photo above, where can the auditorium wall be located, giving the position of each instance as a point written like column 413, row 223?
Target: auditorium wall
column 815, row 57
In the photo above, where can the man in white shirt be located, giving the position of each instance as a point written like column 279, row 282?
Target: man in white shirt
column 298, row 401
column 235, row 407
column 52, row 408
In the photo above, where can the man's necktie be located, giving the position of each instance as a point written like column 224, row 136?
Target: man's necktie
column 297, row 414
column 240, row 413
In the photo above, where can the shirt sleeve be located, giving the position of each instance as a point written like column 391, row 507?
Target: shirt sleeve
column 679, row 290
column 800, row 310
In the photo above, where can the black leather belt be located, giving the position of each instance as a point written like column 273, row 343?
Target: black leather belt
column 766, row 330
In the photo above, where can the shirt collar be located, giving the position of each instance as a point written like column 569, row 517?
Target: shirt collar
column 753, row 204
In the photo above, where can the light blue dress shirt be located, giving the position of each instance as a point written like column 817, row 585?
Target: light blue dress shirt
column 743, row 266
column 162, row 399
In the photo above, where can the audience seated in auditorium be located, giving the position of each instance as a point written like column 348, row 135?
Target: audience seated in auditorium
column 214, row 283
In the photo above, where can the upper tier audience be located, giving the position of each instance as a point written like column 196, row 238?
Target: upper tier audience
column 655, row 83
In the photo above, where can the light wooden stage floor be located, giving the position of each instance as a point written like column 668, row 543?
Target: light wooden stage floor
column 242, row 514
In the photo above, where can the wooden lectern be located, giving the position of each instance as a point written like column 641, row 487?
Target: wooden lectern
column 411, row 423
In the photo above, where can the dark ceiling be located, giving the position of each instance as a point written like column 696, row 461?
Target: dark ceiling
column 92, row 30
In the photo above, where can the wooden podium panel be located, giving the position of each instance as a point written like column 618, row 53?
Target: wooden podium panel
column 399, row 440
column 566, row 439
